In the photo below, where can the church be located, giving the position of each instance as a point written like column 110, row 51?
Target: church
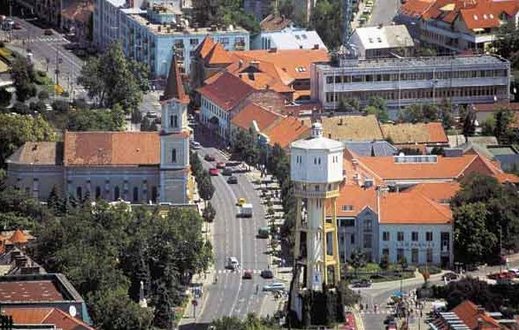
column 138, row 167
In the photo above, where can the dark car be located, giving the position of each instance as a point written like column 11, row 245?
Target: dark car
column 48, row 32
column 450, row 276
column 247, row 275
column 209, row 158
column 227, row 171
column 17, row 26
column 267, row 273
column 361, row 283
column 232, row 180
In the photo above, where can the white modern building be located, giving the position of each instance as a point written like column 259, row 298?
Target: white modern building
column 154, row 34
column 290, row 37
column 405, row 81
column 382, row 41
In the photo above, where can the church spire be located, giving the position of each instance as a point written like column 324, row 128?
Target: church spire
column 174, row 86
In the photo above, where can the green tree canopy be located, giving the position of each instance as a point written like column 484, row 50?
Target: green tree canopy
column 22, row 73
column 377, row 106
column 114, row 79
column 327, row 20
column 224, row 12
column 96, row 119
column 419, row 113
column 17, row 129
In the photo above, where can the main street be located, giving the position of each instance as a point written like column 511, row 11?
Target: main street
column 234, row 237
column 383, row 12
column 48, row 53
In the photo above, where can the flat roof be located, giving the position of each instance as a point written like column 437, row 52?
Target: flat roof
column 154, row 28
column 416, row 62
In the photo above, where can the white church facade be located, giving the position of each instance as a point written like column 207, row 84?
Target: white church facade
column 138, row 167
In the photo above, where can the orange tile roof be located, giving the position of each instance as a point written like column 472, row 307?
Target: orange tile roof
column 226, row 91
column 287, row 130
column 18, row 237
column 489, row 107
column 111, row 148
column 294, row 62
column 205, row 47
column 218, row 55
column 440, row 192
column 353, row 199
column 174, row 85
column 407, row 133
column 447, row 168
column 415, row 8
column 273, row 23
column 412, row 208
column 253, row 112
column 468, row 312
column 33, row 315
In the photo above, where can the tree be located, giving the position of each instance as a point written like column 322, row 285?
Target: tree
column 327, row 21
column 503, row 118
column 38, row 107
column 468, row 119
column 507, row 43
column 488, row 126
column 446, row 117
column 357, row 260
column 113, row 79
column 22, row 73
column 468, row 288
column 384, row 262
column 377, row 106
column 205, row 186
column 16, row 130
column 43, row 95
column 60, row 106
column 97, row 120
column 21, row 108
column 224, row 12
column 418, row 113
column 403, row 263
column 209, row 213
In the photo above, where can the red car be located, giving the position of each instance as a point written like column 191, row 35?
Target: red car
column 214, row 172
column 247, row 275
column 502, row 276
column 220, row 165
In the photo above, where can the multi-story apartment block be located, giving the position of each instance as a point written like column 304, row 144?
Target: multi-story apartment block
column 153, row 35
column 456, row 26
column 405, row 81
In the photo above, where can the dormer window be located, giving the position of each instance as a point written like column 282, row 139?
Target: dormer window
column 173, row 121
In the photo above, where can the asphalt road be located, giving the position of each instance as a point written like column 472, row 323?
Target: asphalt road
column 51, row 47
column 232, row 295
column 383, row 12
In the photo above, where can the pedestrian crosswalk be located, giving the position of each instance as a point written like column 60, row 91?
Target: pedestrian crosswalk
column 240, row 272
column 384, row 311
column 51, row 39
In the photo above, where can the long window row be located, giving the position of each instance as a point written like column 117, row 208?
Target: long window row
column 400, row 236
column 345, row 79
column 421, row 93
column 134, row 194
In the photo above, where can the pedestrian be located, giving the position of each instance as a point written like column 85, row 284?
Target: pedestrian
column 257, row 288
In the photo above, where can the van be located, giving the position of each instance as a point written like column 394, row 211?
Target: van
column 232, row 263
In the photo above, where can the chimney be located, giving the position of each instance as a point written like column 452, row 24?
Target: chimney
column 316, row 46
column 240, row 63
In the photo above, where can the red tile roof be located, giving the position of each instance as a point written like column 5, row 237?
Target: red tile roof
column 412, row 208
column 441, row 192
column 174, row 85
column 226, row 91
column 62, row 320
column 111, row 148
column 253, row 112
column 469, row 313
column 286, row 131
column 420, row 133
column 353, row 199
column 218, row 55
column 29, row 291
column 490, row 107
column 205, row 47
column 18, row 237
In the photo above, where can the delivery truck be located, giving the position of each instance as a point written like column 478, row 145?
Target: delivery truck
column 245, row 211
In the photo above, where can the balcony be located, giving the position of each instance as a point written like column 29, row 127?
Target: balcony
column 316, row 194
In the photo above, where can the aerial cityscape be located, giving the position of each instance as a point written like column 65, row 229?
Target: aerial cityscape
column 259, row 164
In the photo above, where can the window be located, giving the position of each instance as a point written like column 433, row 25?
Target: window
column 368, row 225
column 385, row 236
column 429, row 236
column 316, row 187
column 414, row 256
column 429, row 255
column 154, row 194
column 79, row 193
column 98, row 192
column 399, row 254
column 400, row 236
column 385, row 252
column 117, row 193
column 173, row 121
column 135, row 194
column 367, row 241
column 193, row 42
column 346, row 208
column 414, row 236
column 174, row 155
column 352, row 239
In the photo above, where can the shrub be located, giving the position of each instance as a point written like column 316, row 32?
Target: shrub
column 39, row 106
column 43, row 95
column 21, row 108
column 5, row 97
column 60, row 106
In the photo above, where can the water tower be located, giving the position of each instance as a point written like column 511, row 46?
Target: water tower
column 316, row 170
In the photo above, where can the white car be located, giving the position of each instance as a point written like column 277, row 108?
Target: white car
column 514, row 270
column 232, row 263
column 273, row 287
column 195, row 145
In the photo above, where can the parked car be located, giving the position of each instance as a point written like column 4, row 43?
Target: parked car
column 450, row 276
column 195, row 145
column 232, row 263
column 247, row 275
column 227, row 171
column 361, row 283
column 274, row 287
column 220, row 165
column 48, row 32
column 209, row 158
column 502, row 276
column 267, row 273
column 515, row 271
column 17, row 26
column 232, row 180
column 214, row 171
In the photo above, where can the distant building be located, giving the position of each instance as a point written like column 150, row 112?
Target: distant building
column 382, row 41
column 284, row 35
column 44, row 318
column 139, row 167
column 36, row 291
column 415, row 136
column 351, row 127
column 155, row 34
column 457, row 26
column 76, row 16
column 405, row 81
column 371, row 148
column 258, row 8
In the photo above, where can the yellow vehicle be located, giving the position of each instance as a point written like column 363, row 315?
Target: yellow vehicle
column 241, row 201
